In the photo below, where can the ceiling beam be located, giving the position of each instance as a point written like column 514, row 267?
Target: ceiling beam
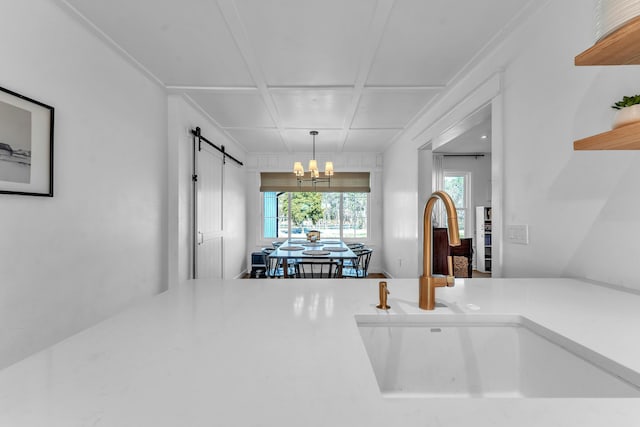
column 234, row 24
column 389, row 88
column 243, row 89
column 373, row 39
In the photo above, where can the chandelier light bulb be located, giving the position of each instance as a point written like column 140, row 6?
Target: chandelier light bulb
column 328, row 169
column 313, row 165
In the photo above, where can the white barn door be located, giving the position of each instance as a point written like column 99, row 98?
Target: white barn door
column 209, row 229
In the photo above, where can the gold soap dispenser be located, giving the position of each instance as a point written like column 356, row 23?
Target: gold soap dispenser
column 383, row 291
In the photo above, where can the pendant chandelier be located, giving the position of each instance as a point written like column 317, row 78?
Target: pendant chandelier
column 314, row 173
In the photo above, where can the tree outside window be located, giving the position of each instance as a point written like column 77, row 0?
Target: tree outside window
column 456, row 184
column 354, row 215
column 305, row 208
column 335, row 215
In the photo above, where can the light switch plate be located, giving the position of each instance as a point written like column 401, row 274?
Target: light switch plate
column 518, row 234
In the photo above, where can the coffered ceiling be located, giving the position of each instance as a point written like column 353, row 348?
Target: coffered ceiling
column 269, row 71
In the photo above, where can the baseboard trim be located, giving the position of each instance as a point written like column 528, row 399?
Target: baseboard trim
column 241, row 275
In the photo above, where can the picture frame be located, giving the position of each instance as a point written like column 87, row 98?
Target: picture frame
column 26, row 145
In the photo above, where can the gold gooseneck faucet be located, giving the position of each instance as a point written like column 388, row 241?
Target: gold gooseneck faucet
column 429, row 282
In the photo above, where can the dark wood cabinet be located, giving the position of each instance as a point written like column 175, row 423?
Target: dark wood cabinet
column 441, row 250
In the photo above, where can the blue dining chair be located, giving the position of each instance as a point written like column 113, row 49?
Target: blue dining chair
column 359, row 269
column 317, row 269
column 275, row 267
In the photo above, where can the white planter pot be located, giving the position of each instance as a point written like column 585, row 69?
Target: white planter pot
column 626, row 116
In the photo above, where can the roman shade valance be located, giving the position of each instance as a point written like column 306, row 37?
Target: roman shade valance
column 341, row 182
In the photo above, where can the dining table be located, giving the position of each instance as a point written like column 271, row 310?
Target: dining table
column 305, row 250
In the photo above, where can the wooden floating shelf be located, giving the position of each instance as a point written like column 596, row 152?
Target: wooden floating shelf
column 622, row 47
column 623, row 138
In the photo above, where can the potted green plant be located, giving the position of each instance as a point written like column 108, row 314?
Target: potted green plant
column 628, row 111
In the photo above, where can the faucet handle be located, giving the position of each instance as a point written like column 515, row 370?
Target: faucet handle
column 450, row 277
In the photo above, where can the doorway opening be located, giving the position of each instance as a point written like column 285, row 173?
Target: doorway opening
column 468, row 138
column 462, row 168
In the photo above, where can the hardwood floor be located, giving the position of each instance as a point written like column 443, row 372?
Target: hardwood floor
column 478, row 275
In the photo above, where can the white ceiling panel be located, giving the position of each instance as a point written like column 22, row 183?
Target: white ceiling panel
column 471, row 135
column 312, row 108
column 181, row 42
column 390, row 108
column 234, row 109
column 367, row 140
column 307, row 42
column 477, row 140
column 258, row 140
column 268, row 71
column 428, row 42
column 299, row 140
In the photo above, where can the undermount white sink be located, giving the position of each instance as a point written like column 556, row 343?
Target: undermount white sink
column 485, row 356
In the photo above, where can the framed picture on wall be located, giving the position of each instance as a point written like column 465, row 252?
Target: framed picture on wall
column 26, row 145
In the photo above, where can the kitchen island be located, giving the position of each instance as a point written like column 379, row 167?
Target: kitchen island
column 288, row 353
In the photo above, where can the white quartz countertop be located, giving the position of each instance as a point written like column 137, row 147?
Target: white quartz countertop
column 288, row 353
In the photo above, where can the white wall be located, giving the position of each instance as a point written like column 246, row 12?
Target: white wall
column 580, row 206
column 100, row 243
column 401, row 211
column 183, row 117
column 425, row 188
column 343, row 162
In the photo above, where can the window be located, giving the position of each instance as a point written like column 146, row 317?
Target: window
column 329, row 225
column 456, row 184
column 354, row 215
column 335, row 215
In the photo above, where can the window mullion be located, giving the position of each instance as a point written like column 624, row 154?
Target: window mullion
column 289, row 216
column 341, row 216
